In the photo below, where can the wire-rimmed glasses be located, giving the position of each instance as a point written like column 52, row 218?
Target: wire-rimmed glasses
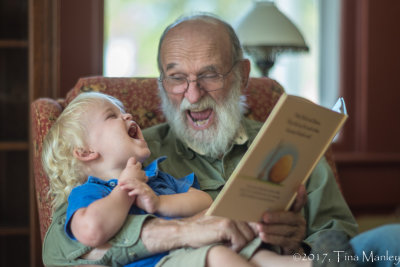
column 209, row 82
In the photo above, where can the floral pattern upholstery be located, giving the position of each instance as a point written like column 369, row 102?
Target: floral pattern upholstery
column 44, row 112
column 140, row 98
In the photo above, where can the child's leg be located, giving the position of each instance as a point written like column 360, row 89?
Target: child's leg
column 268, row 258
column 223, row 256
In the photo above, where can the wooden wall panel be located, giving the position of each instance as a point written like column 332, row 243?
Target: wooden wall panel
column 81, row 41
column 368, row 153
column 383, row 77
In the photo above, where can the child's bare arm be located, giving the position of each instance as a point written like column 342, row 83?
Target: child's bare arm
column 102, row 219
column 97, row 223
column 184, row 204
column 174, row 205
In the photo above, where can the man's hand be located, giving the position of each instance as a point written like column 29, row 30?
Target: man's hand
column 160, row 235
column 286, row 228
column 234, row 234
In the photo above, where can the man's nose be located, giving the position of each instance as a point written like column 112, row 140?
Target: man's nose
column 194, row 93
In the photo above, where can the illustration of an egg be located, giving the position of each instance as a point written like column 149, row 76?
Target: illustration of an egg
column 281, row 169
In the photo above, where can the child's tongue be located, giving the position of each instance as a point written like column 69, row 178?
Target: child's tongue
column 200, row 115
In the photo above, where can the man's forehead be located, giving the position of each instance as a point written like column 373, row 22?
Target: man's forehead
column 198, row 28
column 193, row 39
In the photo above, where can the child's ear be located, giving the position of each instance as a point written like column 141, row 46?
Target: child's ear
column 84, row 154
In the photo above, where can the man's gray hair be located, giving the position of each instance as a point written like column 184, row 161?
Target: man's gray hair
column 237, row 51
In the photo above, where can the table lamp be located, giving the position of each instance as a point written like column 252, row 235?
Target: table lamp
column 265, row 32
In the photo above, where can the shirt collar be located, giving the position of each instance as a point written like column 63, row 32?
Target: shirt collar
column 110, row 183
column 151, row 170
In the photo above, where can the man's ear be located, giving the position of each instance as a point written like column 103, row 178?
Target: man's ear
column 84, row 154
column 245, row 73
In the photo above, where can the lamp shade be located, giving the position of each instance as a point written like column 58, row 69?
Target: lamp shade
column 265, row 26
column 265, row 32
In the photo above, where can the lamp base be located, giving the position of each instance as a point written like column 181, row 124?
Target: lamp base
column 264, row 65
column 263, row 56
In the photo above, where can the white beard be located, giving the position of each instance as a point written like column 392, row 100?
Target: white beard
column 216, row 139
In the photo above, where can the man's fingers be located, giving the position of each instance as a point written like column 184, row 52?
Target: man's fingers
column 255, row 226
column 278, row 230
column 237, row 240
column 245, row 230
column 288, row 244
column 301, row 199
column 282, row 217
column 232, row 233
column 287, row 237
column 283, row 229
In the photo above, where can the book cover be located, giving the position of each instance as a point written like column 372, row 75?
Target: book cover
column 282, row 156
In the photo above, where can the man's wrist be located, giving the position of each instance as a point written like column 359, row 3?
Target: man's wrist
column 159, row 235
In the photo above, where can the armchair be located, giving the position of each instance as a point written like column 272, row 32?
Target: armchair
column 140, row 98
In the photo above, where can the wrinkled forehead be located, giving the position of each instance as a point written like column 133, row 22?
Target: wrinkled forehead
column 197, row 38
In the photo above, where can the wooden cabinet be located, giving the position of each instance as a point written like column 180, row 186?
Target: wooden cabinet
column 14, row 144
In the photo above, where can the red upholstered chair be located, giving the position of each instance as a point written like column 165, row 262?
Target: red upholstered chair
column 140, row 98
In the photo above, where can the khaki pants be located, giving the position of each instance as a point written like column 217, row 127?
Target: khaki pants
column 196, row 257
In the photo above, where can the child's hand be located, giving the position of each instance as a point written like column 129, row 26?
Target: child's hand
column 133, row 172
column 133, row 180
column 146, row 199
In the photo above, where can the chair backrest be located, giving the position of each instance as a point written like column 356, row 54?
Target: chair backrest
column 140, row 98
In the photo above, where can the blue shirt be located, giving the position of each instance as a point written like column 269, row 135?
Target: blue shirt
column 94, row 189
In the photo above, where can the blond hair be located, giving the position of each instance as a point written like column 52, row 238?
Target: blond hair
column 68, row 132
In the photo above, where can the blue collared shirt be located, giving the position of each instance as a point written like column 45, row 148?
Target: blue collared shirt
column 94, row 189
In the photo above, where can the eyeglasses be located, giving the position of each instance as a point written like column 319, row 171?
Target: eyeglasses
column 208, row 82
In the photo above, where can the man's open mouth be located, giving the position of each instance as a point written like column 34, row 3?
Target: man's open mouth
column 200, row 119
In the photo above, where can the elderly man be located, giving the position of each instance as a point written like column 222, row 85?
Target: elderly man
column 202, row 73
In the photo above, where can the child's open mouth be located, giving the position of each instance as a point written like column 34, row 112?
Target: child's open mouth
column 133, row 131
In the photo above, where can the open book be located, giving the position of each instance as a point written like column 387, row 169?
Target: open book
column 282, row 156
